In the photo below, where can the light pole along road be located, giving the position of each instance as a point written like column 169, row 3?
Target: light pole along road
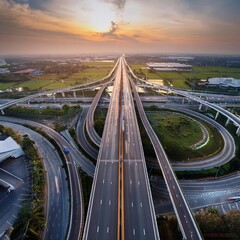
column 120, row 205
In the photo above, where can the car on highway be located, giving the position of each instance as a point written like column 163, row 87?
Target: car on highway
column 65, row 150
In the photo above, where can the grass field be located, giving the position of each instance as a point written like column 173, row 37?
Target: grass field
column 177, row 79
column 4, row 86
column 177, row 133
column 99, row 64
column 95, row 71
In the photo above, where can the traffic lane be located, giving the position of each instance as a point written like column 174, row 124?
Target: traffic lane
column 58, row 194
column 103, row 225
column 90, row 116
column 183, row 213
column 215, row 184
column 107, row 149
column 200, row 189
column 196, row 200
column 139, row 204
column 76, row 221
column 57, row 207
column 178, row 201
column 138, row 218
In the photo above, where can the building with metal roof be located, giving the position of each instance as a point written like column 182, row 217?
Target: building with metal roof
column 169, row 67
column 9, row 148
column 224, row 82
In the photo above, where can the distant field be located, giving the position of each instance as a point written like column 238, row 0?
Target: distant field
column 4, row 86
column 95, row 71
column 177, row 79
column 101, row 64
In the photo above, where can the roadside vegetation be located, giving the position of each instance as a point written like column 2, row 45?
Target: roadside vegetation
column 31, row 220
column 58, row 118
column 225, row 169
column 178, row 133
column 9, row 132
column 213, row 225
column 99, row 120
column 86, row 181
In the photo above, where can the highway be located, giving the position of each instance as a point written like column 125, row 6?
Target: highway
column 90, row 117
column 121, row 194
column 57, row 204
column 121, row 191
column 73, row 157
column 224, row 156
column 137, row 192
column 102, row 216
column 184, row 215
column 200, row 193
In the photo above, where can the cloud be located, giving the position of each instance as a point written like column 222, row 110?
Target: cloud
column 112, row 31
column 118, row 34
column 119, row 4
column 21, row 15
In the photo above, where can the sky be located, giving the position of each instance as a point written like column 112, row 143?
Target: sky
column 119, row 26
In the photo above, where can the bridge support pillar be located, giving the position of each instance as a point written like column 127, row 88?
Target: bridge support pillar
column 216, row 115
column 63, row 94
column 227, row 122
column 3, row 113
column 238, row 131
column 200, row 107
column 74, row 94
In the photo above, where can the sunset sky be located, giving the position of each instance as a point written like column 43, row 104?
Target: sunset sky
column 119, row 26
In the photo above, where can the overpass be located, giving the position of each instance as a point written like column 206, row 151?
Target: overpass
column 183, row 213
column 230, row 116
column 120, row 205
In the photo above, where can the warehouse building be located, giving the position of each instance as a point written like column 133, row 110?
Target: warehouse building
column 224, row 82
column 169, row 67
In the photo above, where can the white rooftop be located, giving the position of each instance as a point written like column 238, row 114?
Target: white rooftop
column 168, row 65
column 9, row 148
column 228, row 82
column 2, row 62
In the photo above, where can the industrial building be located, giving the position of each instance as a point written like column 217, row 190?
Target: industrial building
column 30, row 72
column 169, row 67
column 224, row 82
column 3, row 62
